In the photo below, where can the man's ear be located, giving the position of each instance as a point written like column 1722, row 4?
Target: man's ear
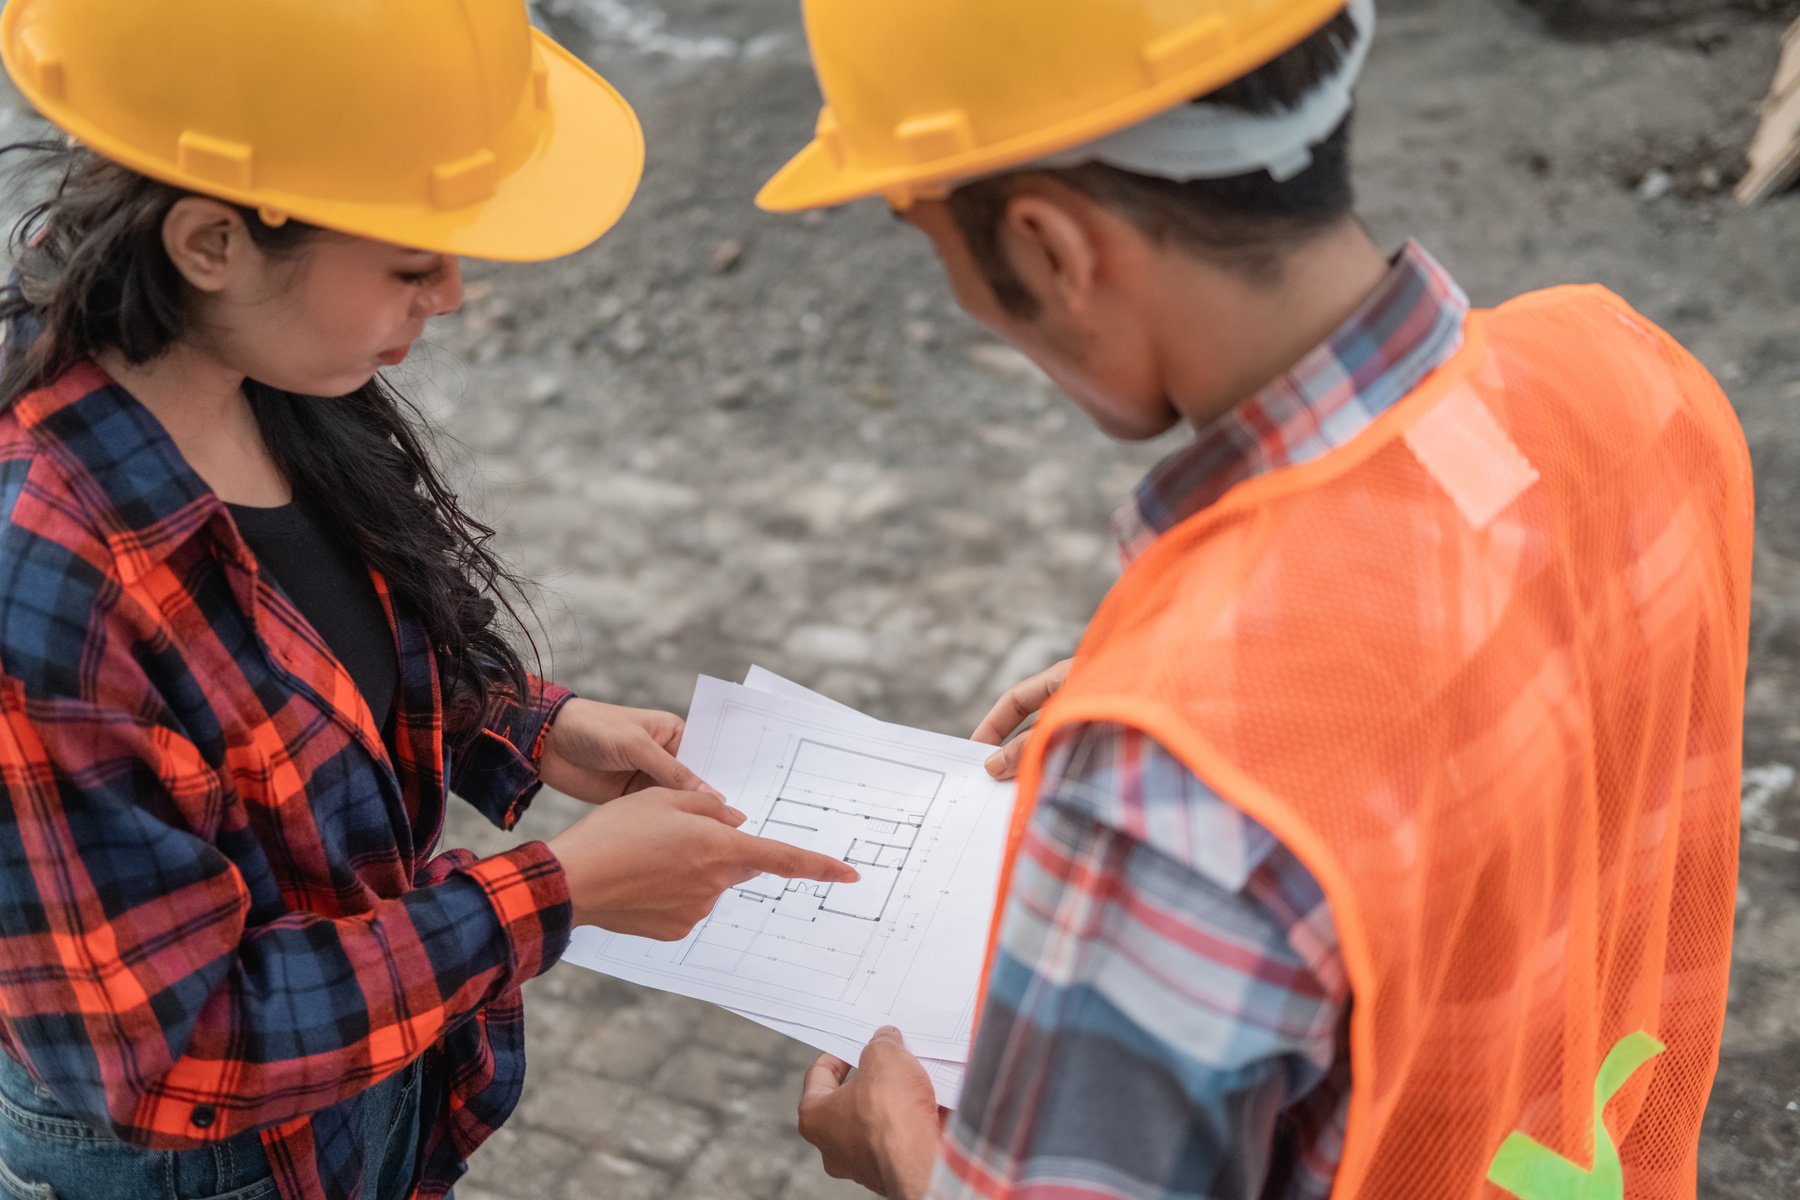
column 205, row 239
column 1054, row 248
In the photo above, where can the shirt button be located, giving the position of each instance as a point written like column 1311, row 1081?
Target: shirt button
column 203, row 1116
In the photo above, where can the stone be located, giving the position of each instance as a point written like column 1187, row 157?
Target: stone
column 571, row 1103
column 545, row 388
column 727, row 1031
column 810, row 1182
column 1606, row 19
column 629, row 339
column 659, row 1131
column 642, row 494
column 731, row 391
column 552, row 1026
column 610, row 1177
column 747, row 1088
column 632, row 1044
column 748, row 1162
column 831, row 644
column 1655, row 185
column 524, row 1162
column 725, row 257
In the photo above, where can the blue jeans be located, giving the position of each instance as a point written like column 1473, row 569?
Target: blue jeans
column 48, row 1154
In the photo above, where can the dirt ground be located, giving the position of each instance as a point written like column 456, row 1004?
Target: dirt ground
column 720, row 436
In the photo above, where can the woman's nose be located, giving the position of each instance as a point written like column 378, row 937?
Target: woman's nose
column 445, row 296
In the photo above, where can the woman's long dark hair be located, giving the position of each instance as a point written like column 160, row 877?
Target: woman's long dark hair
column 93, row 276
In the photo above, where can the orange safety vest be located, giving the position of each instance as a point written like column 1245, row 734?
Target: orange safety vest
column 1482, row 670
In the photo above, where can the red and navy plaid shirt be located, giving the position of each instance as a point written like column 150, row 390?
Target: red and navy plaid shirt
column 219, row 908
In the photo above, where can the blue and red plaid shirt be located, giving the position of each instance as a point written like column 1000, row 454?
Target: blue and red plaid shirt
column 219, row 907
column 1167, row 1014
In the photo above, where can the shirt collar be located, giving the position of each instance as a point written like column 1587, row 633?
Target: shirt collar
column 147, row 499
column 1408, row 327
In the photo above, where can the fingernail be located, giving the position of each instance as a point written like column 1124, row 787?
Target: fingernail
column 855, row 875
column 888, row 1031
column 734, row 816
column 995, row 764
column 710, row 790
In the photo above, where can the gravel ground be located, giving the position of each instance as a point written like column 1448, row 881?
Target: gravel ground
column 720, row 437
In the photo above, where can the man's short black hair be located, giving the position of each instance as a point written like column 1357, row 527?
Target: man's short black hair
column 1245, row 222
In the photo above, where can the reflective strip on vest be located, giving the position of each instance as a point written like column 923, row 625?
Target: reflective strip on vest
column 1532, row 1171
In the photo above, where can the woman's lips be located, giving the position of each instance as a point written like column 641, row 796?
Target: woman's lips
column 395, row 357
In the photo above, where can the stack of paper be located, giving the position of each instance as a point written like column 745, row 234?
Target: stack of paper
column 828, row 964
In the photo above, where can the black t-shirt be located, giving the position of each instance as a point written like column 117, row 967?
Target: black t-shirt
column 330, row 585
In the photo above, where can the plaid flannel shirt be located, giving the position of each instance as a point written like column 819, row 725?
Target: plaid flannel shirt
column 1167, row 1014
column 219, row 908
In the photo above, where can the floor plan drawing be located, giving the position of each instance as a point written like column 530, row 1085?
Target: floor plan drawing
column 868, row 811
column 917, row 815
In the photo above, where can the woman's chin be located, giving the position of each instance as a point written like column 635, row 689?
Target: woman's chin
column 338, row 385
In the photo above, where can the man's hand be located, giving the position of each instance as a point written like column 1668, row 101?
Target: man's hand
column 881, row 1128
column 655, row 862
column 1021, row 701
column 599, row 752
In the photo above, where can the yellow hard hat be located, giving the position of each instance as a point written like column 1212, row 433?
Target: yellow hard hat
column 446, row 125
column 920, row 92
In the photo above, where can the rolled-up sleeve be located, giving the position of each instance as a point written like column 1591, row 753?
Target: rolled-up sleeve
column 498, row 770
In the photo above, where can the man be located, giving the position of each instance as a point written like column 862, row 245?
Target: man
column 1381, row 841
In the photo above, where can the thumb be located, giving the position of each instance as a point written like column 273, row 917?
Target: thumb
column 706, row 804
column 887, row 1046
column 1004, row 762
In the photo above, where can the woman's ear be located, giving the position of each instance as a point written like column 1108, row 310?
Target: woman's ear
column 205, row 239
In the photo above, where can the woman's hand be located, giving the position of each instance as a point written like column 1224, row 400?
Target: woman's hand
column 599, row 752
column 1021, row 701
column 654, row 863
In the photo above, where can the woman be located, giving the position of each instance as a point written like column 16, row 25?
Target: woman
column 248, row 638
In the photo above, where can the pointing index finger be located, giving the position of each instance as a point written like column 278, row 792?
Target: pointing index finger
column 791, row 862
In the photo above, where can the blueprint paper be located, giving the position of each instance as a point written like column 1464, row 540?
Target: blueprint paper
column 946, row 1075
column 918, row 815
column 761, row 679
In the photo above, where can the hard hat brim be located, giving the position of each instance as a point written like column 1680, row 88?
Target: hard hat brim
column 573, row 186
column 811, row 179
column 818, row 177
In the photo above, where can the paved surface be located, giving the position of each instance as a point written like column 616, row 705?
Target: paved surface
column 720, row 437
